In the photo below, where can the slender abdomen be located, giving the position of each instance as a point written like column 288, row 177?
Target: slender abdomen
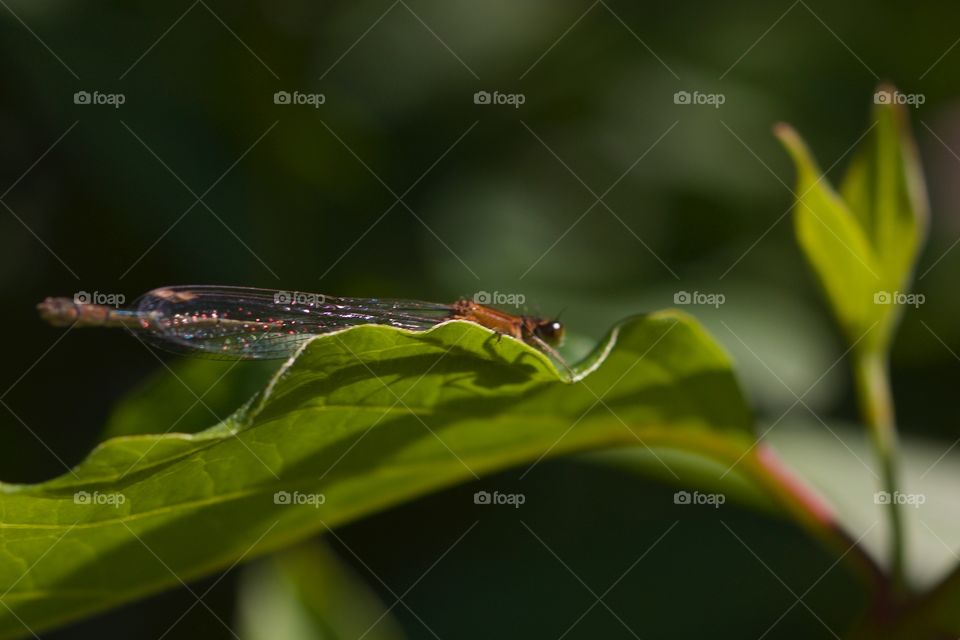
column 64, row 312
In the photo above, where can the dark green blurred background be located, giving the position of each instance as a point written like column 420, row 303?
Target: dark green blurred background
column 493, row 199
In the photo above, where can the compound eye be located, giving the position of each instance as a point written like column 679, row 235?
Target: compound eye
column 551, row 332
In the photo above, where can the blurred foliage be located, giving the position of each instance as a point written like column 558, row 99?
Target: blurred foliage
column 307, row 593
column 863, row 241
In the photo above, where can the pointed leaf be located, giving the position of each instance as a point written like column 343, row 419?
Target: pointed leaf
column 863, row 242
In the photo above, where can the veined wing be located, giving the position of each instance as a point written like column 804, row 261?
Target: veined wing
column 243, row 322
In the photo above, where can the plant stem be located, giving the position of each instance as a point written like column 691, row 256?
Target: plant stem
column 818, row 518
column 872, row 379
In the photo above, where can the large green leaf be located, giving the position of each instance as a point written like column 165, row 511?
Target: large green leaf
column 368, row 417
column 863, row 242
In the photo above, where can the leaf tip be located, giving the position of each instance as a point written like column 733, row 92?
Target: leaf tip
column 797, row 148
column 783, row 129
column 886, row 85
column 789, row 137
column 885, row 98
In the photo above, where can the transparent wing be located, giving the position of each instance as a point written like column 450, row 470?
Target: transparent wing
column 242, row 322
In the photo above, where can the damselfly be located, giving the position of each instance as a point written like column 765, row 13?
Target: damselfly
column 242, row 322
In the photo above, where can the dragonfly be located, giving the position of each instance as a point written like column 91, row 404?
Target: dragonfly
column 248, row 323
